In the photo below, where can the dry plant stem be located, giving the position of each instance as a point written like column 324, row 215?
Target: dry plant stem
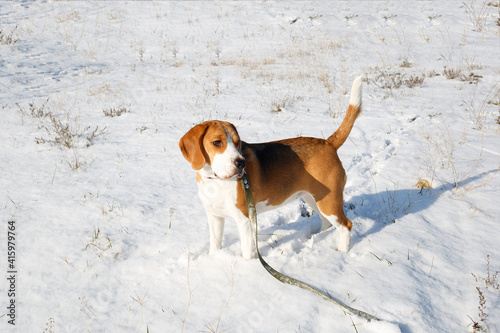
column 374, row 184
column 392, row 207
column 74, row 162
column 452, row 73
column 216, row 323
column 490, row 280
column 479, row 15
column 432, row 266
column 86, row 307
column 467, row 175
column 482, row 315
column 434, row 160
column 384, row 63
column 141, row 302
column 353, row 324
column 49, row 326
column 446, row 149
column 478, row 115
column 470, row 188
column 8, row 39
column 475, row 325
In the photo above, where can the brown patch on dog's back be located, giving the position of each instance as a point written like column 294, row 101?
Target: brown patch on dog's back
column 282, row 168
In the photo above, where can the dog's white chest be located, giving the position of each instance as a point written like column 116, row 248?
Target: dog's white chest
column 219, row 197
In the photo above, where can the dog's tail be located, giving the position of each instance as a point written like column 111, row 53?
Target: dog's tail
column 338, row 138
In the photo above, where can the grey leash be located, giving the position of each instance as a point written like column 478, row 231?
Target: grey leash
column 252, row 214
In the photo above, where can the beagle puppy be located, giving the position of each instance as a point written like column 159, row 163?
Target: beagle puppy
column 278, row 172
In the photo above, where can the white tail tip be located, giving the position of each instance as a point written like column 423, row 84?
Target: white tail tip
column 356, row 92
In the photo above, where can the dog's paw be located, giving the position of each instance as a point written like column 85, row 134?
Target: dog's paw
column 344, row 239
column 343, row 247
column 249, row 255
column 213, row 250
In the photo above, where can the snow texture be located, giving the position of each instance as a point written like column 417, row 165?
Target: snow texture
column 110, row 235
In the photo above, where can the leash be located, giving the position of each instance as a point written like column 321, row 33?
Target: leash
column 252, row 214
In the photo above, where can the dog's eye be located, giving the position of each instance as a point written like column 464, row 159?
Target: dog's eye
column 217, row 143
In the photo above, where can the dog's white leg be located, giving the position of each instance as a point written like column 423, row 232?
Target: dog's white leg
column 344, row 238
column 216, row 225
column 343, row 234
column 325, row 223
column 248, row 250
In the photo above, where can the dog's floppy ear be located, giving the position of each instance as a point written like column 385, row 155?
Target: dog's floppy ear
column 191, row 145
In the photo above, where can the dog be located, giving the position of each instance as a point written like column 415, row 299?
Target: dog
column 278, row 172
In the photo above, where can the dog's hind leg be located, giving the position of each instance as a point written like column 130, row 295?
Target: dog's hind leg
column 337, row 218
column 344, row 237
column 343, row 232
column 325, row 223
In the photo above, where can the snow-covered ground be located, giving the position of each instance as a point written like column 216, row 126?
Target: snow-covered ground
column 109, row 233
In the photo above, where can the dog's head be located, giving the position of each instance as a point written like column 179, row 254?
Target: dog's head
column 214, row 149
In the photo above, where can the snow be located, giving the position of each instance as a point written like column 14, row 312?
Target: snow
column 110, row 233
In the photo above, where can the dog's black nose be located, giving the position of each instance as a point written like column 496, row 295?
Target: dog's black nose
column 240, row 163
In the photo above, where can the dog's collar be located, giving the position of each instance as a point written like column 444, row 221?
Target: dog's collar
column 215, row 177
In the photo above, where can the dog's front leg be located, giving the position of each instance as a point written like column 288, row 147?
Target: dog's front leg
column 246, row 231
column 216, row 225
